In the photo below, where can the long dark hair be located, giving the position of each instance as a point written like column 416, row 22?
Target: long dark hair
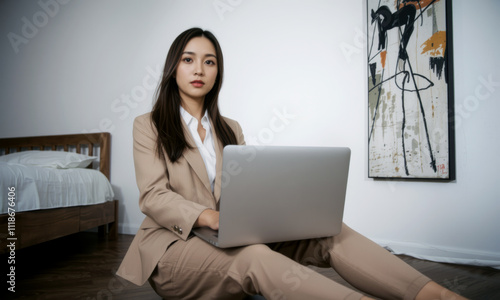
column 166, row 114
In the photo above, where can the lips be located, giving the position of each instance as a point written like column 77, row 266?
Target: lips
column 197, row 83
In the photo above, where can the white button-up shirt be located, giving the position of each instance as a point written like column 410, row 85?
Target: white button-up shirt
column 206, row 147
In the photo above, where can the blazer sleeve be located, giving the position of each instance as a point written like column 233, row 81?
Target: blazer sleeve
column 165, row 207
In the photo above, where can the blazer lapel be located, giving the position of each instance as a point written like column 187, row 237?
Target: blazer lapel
column 194, row 158
column 218, row 165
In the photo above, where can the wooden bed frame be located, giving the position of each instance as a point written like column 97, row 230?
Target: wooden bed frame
column 34, row 227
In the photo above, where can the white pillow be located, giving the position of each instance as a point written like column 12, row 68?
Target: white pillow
column 50, row 159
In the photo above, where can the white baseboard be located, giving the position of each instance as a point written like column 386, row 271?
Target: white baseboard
column 442, row 254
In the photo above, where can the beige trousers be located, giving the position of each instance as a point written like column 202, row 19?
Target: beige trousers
column 194, row 269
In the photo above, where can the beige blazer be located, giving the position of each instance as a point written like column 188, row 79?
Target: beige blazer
column 172, row 196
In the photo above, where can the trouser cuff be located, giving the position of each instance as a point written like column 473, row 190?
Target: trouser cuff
column 415, row 287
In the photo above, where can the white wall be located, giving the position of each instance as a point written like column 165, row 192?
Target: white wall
column 91, row 65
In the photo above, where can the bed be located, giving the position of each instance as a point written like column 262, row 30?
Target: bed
column 24, row 224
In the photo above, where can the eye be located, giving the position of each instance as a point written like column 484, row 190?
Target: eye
column 210, row 62
column 187, row 59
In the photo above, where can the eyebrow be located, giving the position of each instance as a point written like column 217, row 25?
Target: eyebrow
column 193, row 53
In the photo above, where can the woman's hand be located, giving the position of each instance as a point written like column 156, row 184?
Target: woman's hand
column 208, row 218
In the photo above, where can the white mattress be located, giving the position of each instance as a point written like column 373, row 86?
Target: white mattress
column 45, row 188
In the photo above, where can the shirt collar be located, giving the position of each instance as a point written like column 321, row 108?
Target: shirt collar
column 188, row 118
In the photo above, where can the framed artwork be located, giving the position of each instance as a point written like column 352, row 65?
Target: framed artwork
column 410, row 90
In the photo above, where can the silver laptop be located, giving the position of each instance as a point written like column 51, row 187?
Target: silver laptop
column 279, row 193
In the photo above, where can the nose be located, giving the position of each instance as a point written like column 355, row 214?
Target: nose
column 198, row 69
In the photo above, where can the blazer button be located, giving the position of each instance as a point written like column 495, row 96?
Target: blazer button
column 180, row 230
column 176, row 228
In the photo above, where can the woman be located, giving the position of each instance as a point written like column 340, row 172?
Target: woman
column 177, row 157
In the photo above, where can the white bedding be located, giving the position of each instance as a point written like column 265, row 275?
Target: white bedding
column 44, row 188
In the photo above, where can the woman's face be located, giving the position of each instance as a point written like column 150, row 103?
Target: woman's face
column 197, row 70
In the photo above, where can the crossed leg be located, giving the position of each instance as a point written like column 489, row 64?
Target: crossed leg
column 194, row 269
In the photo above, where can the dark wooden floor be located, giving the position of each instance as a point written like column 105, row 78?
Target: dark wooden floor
column 82, row 267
